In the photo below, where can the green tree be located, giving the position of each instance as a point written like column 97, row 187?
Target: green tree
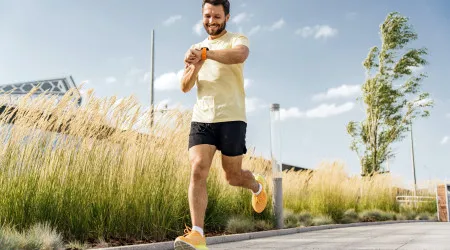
column 391, row 94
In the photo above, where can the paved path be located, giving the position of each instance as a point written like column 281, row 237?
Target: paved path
column 426, row 235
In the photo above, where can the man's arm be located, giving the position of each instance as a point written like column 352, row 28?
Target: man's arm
column 235, row 55
column 190, row 75
column 238, row 54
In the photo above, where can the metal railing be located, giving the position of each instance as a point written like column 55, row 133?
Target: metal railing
column 414, row 199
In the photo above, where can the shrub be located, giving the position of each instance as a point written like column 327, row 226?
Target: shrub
column 38, row 236
column 372, row 216
column 322, row 220
column 305, row 219
column 262, row 225
column 290, row 219
column 350, row 216
column 240, row 224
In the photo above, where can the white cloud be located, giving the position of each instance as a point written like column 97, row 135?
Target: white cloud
column 253, row 104
column 418, row 69
column 172, row 20
column 110, row 79
column 448, row 115
column 445, row 140
column 247, row 83
column 198, row 28
column 290, row 113
column 168, row 81
column 305, row 31
column 239, row 18
column 318, row 31
column 327, row 110
column 325, row 31
column 341, row 91
column 277, row 25
column 322, row 111
column 254, row 30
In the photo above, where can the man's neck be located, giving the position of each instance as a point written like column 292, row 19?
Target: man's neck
column 218, row 36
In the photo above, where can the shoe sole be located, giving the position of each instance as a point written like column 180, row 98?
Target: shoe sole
column 181, row 245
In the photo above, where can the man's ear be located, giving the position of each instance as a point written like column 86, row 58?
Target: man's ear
column 227, row 17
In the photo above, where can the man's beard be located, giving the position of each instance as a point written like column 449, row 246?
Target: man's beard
column 218, row 31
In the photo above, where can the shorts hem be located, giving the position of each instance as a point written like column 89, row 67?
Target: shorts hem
column 233, row 155
column 220, row 120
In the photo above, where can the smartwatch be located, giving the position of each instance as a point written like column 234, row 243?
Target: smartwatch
column 204, row 49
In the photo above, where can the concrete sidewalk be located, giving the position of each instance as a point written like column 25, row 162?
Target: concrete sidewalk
column 421, row 235
column 373, row 235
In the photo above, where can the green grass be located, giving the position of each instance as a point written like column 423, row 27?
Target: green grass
column 329, row 190
column 123, row 186
column 38, row 236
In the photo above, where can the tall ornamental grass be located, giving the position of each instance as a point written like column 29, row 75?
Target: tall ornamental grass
column 329, row 190
column 109, row 170
column 99, row 171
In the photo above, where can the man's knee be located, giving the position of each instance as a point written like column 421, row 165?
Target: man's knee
column 199, row 169
column 200, row 157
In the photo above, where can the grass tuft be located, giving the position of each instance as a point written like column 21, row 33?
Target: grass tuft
column 323, row 220
column 350, row 216
column 240, row 224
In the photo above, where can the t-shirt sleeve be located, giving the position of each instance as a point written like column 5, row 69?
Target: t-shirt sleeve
column 194, row 46
column 240, row 39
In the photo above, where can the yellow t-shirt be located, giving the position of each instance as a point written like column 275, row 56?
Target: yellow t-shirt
column 220, row 87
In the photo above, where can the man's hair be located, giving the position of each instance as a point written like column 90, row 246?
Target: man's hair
column 224, row 3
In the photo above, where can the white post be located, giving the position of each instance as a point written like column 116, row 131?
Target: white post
column 275, row 149
column 151, row 78
column 447, row 192
column 413, row 162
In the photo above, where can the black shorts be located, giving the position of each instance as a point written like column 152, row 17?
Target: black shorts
column 228, row 137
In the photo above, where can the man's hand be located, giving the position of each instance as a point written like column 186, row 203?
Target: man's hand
column 193, row 56
column 192, row 64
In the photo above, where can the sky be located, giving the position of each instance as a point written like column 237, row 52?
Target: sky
column 305, row 55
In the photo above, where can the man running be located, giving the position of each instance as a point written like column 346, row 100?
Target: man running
column 215, row 65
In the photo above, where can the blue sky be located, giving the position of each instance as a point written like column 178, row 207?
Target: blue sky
column 305, row 55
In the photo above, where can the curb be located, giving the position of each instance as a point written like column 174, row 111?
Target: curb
column 168, row 245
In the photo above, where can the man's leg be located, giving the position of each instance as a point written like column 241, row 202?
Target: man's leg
column 236, row 176
column 201, row 157
column 232, row 146
column 201, row 153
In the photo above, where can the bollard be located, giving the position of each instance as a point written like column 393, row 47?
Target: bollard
column 275, row 150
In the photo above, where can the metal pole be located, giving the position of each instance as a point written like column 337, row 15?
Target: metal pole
column 387, row 164
column 413, row 162
column 152, row 78
column 275, row 139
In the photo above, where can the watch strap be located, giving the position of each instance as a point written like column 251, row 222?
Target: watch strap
column 204, row 49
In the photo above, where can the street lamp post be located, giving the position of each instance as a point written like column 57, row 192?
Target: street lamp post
column 413, row 161
column 275, row 139
column 151, row 79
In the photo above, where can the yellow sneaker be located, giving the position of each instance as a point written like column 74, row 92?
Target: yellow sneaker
column 191, row 240
column 259, row 202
